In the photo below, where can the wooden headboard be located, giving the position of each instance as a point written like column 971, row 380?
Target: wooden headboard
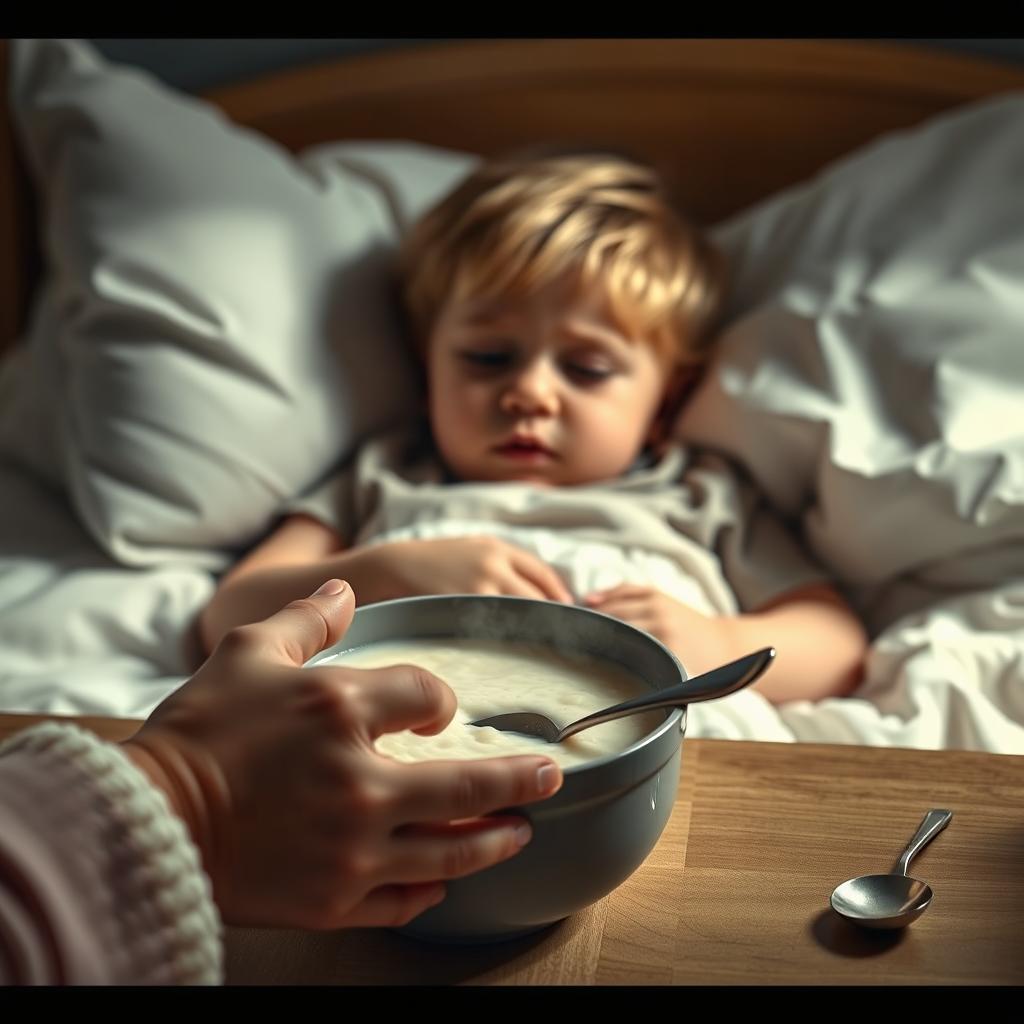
column 728, row 121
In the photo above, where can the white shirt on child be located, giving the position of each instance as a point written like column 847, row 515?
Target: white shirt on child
column 689, row 525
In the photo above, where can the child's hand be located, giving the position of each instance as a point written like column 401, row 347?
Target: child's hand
column 700, row 642
column 452, row 565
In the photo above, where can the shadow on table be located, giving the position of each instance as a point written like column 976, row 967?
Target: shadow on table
column 845, row 938
column 369, row 956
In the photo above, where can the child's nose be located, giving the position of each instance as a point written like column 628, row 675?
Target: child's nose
column 533, row 390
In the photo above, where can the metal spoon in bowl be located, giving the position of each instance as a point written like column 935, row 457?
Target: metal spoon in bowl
column 719, row 682
column 893, row 900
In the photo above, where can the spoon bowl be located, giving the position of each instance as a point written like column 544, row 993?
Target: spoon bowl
column 719, row 682
column 893, row 900
column 882, row 901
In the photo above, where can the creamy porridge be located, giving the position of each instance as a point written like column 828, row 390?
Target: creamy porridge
column 491, row 677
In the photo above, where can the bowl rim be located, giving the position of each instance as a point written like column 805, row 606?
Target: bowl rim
column 676, row 719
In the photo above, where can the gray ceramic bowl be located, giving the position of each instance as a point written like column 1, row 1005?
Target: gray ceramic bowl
column 604, row 821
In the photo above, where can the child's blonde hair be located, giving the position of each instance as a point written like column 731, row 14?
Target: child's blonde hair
column 518, row 224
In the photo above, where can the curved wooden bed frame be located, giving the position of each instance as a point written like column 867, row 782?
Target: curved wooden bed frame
column 729, row 121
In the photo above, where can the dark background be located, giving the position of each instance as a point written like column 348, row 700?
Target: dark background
column 198, row 64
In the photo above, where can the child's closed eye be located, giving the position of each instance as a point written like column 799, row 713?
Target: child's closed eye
column 496, row 357
column 589, row 374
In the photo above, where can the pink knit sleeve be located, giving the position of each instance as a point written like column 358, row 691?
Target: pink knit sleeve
column 99, row 881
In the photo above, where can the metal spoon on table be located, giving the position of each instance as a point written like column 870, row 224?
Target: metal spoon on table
column 719, row 682
column 893, row 900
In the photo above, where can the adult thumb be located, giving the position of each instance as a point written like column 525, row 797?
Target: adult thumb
column 306, row 626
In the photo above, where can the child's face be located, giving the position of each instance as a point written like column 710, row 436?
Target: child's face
column 546, row 389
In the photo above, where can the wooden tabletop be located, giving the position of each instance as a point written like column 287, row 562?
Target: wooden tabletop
column 736, row 891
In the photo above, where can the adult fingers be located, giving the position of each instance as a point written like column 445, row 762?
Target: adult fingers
column 299, row 630
column 421, row 853
column 394, row 697
column 444, row 791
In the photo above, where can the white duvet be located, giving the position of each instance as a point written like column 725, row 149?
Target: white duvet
column 82, row 635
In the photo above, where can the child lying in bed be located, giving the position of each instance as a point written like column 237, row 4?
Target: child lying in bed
column 561, row 307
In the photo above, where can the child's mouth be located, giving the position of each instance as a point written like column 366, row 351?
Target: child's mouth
column 525, row 450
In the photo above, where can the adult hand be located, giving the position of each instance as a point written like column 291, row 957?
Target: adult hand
column 299, row 821
column 455, row 565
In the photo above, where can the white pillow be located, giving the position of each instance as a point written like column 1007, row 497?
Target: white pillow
column 217, row 327
column 871, row 374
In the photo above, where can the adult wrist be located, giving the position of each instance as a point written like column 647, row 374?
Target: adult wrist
column 195, row 792
column 153, row 770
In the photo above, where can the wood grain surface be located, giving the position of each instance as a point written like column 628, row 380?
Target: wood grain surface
column 736, row 891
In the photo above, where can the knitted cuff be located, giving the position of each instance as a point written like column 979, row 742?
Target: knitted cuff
column 147, row 869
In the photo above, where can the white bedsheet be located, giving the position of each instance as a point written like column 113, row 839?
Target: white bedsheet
column 82, row 635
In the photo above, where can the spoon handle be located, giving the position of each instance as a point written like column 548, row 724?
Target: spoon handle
column 719, row 682
column 934, row 822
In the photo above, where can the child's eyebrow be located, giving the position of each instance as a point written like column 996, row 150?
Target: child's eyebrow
column 486, row 316
column 595, row 333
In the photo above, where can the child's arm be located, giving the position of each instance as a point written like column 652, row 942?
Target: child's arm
column 302, row 553
column 820, row 643
column 288, row 564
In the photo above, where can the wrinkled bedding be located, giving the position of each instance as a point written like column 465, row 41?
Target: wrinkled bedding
column 80, row 634
column 869, row 378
